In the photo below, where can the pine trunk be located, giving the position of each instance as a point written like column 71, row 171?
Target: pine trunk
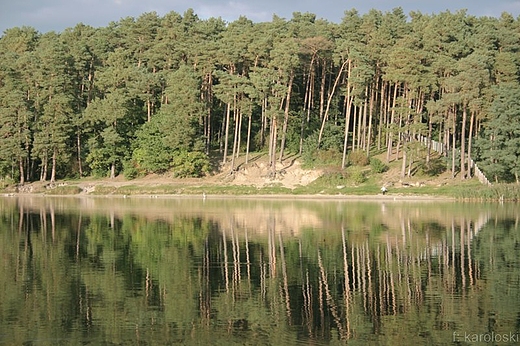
column 348, row 107
column 286, row 115
column 226, row 132
column 463, row 143
column 470, row 141
column 80, row 162
column 53, row 169
column 22, row 173
column 248, row 141
column 390, row 132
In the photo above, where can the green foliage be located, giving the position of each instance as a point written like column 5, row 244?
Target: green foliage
column 131, row 169
column 435, row 167
column 172, row 140
column 152, row 154
column 357, row 175
column 107, row 150
column 358, row 158
column 499, row 145
column 190, row 164
column 496, row 192
column 332, row 178
column 377, row 165
column 329, row 152
column 64, row 190
column 99, row 163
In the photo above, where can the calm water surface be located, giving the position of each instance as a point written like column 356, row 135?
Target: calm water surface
column 114, row 271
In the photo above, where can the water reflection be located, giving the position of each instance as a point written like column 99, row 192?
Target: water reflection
column 194, row 271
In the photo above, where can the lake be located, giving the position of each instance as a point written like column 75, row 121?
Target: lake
column 256, row 271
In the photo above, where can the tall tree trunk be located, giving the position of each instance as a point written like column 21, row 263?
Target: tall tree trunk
column 239, row 137
column 399, row 137
column 390, row 132
column 208, row 100
column 470, row 141
column 322, row 88
column 226, row 135
column 149, row 110
column 354, row 126
column 235, row 140
column 370, row 116
column 463, row 143
column 363, row 124
column 329, row 100
column 43, row 174
column 53, row 169
column 383, row 115
column 272, row 145
column 248, row 141
column 309, row 88
column 454, row 139
column 429, row 139
column 410, row 163
column 286, row 114
column 302, row 133
column 348, row 103
column 403, row 166
column 80, row 161
column 359, row 126
column 21, row 170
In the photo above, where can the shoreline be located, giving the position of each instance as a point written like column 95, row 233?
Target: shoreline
column 316, row 197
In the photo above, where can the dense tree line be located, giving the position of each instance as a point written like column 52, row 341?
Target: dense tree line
column 158, row 94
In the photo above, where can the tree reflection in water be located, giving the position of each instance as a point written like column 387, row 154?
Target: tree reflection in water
column 282, row 271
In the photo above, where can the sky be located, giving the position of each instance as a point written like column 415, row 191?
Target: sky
column 57, row 15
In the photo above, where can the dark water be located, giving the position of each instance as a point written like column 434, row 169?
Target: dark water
column 100, row 271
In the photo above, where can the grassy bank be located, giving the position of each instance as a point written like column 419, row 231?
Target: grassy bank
column 497, row 192
column 356, row 180
column 327, row 184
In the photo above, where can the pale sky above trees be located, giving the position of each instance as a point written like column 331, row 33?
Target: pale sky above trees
column 48, row 15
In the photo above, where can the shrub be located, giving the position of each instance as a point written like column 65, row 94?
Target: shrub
column 357, row 176
column 190, row 164
column 435, row 167
column 358, row 158
column 329, row 151
column 131, row 169
column 333, row 178
column 377, row 165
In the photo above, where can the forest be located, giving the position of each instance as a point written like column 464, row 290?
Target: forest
column 164, row 94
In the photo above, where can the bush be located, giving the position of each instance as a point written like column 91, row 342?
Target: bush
column 435, row 167
column 333, row 178
column 329, row 151
column 358, row 158
column 190, row 164
column 357, row 176
column 131, row 169
column 377, row 165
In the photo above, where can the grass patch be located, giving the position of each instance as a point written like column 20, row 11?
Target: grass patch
column 497, row 192
column 64, row 190
column 104, row 190
column 352, row 181
column 454, row 189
